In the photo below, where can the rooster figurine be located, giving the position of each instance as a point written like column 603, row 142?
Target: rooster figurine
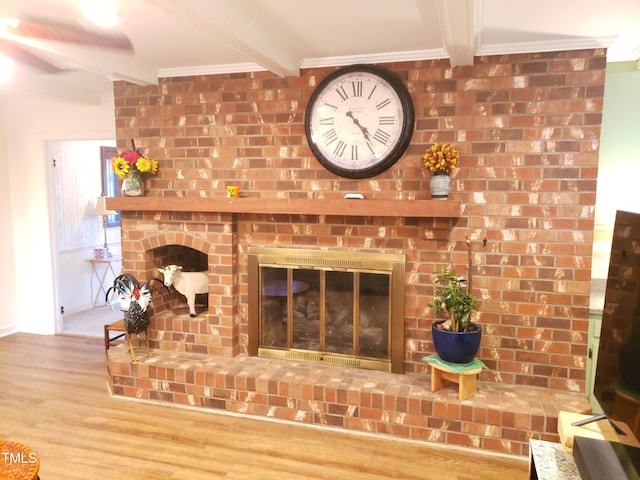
column 134, row 300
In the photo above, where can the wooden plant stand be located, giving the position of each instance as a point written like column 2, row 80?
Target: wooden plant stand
column 467, row 379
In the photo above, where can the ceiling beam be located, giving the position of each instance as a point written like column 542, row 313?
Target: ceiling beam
column 231, row 27
column 456, row 20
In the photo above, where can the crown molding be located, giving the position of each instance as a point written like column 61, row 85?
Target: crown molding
column 578, row 43
column 411, row 55
column 210, row 70
column 433, row 54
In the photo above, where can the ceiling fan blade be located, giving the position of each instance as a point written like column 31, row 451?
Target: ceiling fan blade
column 22, row 55
column 46, row 29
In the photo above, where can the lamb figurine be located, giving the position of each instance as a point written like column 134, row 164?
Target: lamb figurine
column 187, row 283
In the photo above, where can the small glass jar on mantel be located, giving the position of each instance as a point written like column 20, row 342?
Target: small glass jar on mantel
column 133, row 184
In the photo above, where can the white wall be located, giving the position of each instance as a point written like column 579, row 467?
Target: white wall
column 619, row 164
column 27, row 231
column 8, row 317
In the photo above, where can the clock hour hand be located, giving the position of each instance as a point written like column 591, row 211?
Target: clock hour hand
column 365, row 132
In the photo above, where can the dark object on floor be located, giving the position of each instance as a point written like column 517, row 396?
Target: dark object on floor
column 603, row 460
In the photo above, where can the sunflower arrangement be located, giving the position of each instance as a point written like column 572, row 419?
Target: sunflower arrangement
column 440, row 157
column 131, row 161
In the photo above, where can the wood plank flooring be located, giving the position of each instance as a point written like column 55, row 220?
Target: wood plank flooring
column 54, row 398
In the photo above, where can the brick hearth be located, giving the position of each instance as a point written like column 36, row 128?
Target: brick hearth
column 499, row 417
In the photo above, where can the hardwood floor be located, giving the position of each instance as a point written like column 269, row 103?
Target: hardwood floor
column 90, row 323
column 54, row 398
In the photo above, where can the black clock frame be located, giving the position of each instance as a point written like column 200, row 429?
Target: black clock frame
column 408, row 119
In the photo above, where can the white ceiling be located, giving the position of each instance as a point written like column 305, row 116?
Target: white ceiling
column 190, row 37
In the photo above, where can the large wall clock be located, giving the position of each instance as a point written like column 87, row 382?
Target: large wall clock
column 359, row 121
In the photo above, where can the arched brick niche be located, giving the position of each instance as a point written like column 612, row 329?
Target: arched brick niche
column 189, row 260
column 211, row 248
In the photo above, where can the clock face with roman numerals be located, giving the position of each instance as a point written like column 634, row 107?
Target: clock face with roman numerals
column 359, row 121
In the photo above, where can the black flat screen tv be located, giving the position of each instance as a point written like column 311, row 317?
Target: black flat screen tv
column 618, row 363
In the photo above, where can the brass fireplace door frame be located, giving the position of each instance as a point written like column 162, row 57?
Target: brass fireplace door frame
column 387, row 263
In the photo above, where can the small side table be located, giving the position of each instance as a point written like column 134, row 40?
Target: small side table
column 549, row 461
column 101, row 278
column 18, row 461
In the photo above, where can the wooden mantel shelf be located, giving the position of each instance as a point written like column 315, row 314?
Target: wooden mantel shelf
column 363, row 208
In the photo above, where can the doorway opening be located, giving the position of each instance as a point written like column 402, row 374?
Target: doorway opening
column 78, row 177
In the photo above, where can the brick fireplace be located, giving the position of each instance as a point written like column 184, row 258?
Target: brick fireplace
column 158, row 231
column 527, row 127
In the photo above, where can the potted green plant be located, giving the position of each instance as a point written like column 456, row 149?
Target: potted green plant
column 455, row 338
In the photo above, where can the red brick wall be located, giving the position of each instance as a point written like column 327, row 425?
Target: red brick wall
column 527, row 127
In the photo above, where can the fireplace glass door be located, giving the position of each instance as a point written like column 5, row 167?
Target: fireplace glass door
column 325, row 313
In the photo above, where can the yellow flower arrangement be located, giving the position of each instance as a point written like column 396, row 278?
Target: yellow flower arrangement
column 441, row 157
column 131, row 160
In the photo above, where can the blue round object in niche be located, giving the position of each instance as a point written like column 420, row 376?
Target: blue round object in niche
column 456, row 347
